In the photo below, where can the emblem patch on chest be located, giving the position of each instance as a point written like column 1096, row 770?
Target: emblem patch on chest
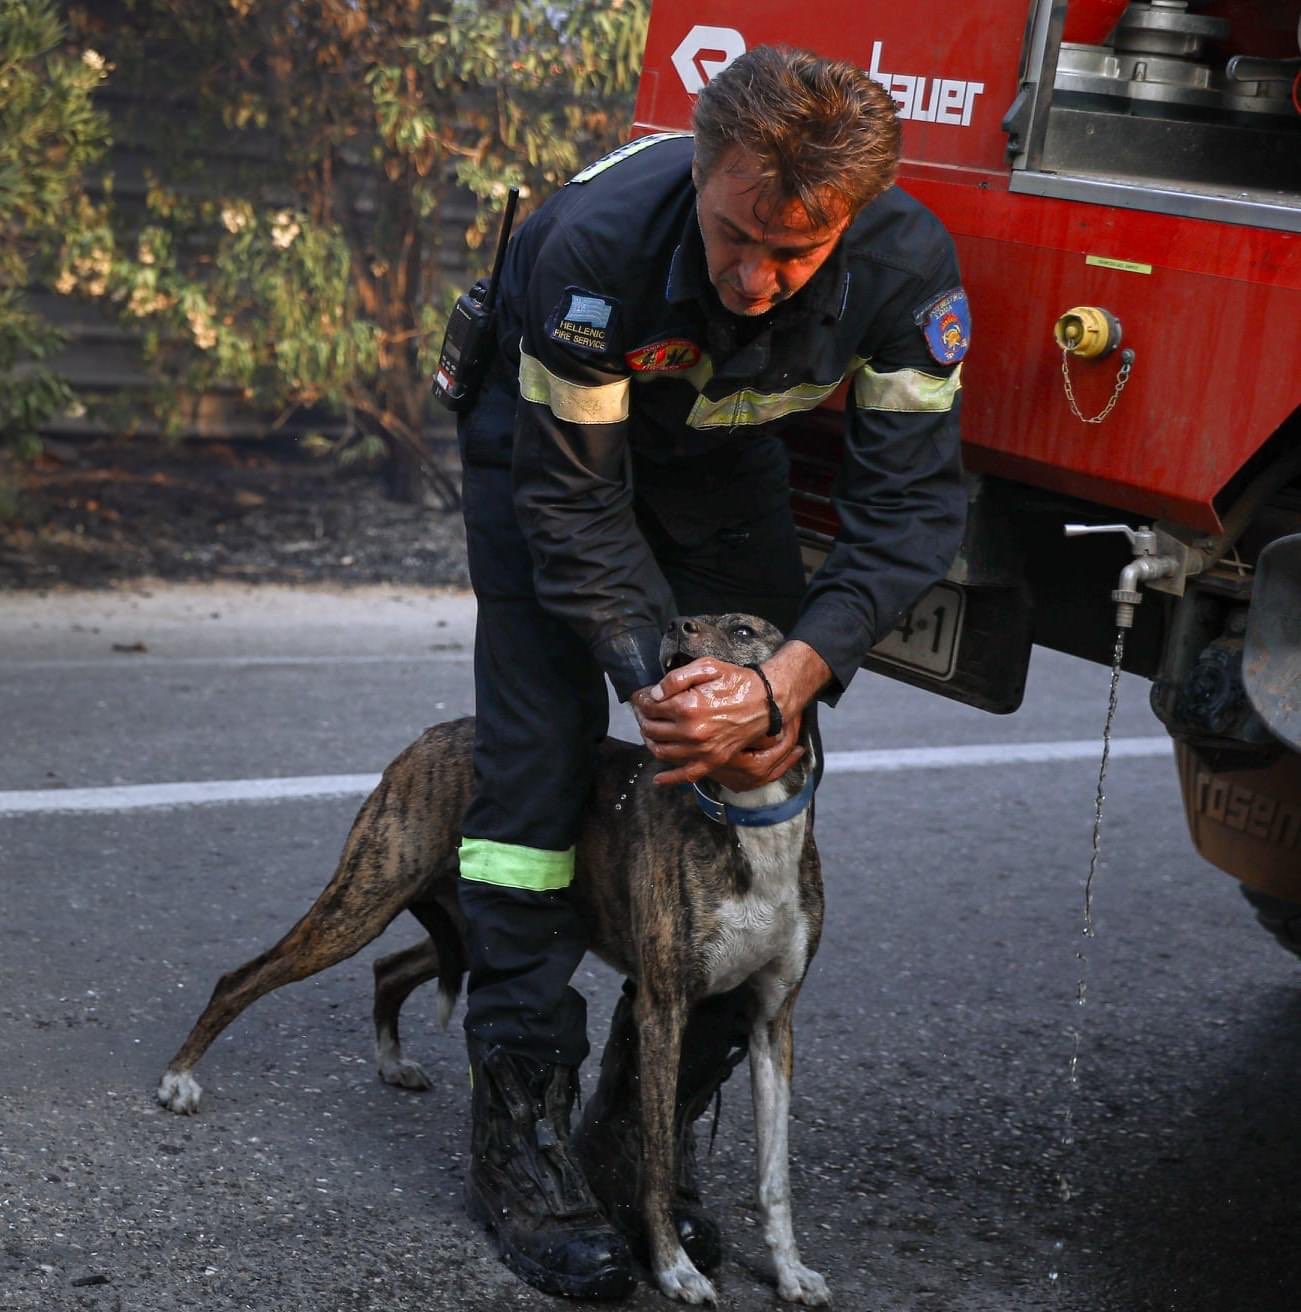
column 585, row 320
column 670, row 356
column 946, row 324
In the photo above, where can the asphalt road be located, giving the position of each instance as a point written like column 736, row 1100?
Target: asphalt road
column 933, row 1094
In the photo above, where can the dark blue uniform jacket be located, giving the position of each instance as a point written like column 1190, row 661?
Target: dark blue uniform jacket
column 639, row 393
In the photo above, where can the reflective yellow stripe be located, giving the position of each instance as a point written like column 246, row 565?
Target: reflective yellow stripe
column 623, row 152
column 605, row 403
column 906, row 390
column 512, row 866
column 746, row 408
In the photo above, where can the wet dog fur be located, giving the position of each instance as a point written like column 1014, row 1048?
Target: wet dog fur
column 685, row 906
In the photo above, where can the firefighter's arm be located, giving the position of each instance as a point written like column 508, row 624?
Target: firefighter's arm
column 900, row 496
column 573, row 492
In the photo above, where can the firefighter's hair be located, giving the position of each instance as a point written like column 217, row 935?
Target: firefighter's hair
column 819, row 127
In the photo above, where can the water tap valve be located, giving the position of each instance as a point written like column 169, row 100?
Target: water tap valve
column 1145, row 566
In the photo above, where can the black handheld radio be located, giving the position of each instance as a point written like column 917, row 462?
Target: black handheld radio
column 469, row 341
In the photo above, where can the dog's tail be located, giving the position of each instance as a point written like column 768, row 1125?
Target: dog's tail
column 451, row 955
column 447, row 996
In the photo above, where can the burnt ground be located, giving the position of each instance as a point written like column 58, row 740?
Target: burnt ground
column 100, row 513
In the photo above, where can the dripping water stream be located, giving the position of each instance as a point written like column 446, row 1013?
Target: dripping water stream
column 1064, row 1189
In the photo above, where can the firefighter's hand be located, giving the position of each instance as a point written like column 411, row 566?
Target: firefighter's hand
column 710, row 718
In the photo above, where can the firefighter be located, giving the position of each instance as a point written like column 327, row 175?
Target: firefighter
column 659, row 317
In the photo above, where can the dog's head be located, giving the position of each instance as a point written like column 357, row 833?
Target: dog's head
column 738, row 638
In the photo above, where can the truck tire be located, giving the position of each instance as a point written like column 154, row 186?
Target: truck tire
column 1248, row 822
column 1281, row 917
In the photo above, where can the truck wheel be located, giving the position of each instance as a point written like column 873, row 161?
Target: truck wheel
column 1248, row 822
column 1281, row 917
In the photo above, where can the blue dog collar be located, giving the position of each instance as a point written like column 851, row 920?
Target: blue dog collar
column 756, row 817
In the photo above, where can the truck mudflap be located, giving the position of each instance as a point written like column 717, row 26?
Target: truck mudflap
column 1271, row 658
column 971, row 644
column 1246, row 821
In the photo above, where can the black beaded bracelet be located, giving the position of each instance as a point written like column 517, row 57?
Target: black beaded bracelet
column 774, row 711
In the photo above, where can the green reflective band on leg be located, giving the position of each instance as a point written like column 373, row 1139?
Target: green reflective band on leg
column 512, row 866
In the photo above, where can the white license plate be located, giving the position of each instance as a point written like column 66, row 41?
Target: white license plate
column 927, row 637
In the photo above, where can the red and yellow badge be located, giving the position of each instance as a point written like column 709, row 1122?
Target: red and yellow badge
column 667, row 357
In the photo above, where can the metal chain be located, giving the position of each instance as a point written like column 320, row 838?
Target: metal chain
column 1122, row 377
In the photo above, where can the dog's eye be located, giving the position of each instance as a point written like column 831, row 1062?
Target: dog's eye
column 742, row 631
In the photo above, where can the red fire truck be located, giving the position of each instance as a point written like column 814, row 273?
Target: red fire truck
column 1123, row 182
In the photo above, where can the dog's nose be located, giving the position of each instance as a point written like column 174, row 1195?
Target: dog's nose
column 681, row 624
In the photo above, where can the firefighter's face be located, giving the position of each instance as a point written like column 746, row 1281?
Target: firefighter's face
column 760, row 249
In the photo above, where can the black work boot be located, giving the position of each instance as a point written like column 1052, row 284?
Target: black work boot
column 608, row 1138
column 525, row 1186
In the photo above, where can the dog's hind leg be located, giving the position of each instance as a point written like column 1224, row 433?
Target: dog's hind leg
column 396, row 976
column 306, row 950
column 352, row 910
column 402, row 841
column 772, row 1054
column 440, row 956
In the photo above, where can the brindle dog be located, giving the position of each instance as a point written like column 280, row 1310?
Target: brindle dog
column 685, row 906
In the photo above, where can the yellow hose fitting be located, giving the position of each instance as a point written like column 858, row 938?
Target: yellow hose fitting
column 1087, row 331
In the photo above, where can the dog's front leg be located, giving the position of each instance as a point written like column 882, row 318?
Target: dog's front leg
column 660, row 1023
column 772, row 1053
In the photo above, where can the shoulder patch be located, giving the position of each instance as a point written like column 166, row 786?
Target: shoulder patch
column 945, row 322
column 671, row 356
column 585, row 320
column 622, row 152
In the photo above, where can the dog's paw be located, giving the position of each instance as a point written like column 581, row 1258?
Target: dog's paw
column 797, row 1284
column 404, row 1073
column 180, row 1092
column 683, row 1282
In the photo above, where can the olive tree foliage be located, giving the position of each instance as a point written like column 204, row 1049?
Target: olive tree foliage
column 50, row 133
column 287, row 236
